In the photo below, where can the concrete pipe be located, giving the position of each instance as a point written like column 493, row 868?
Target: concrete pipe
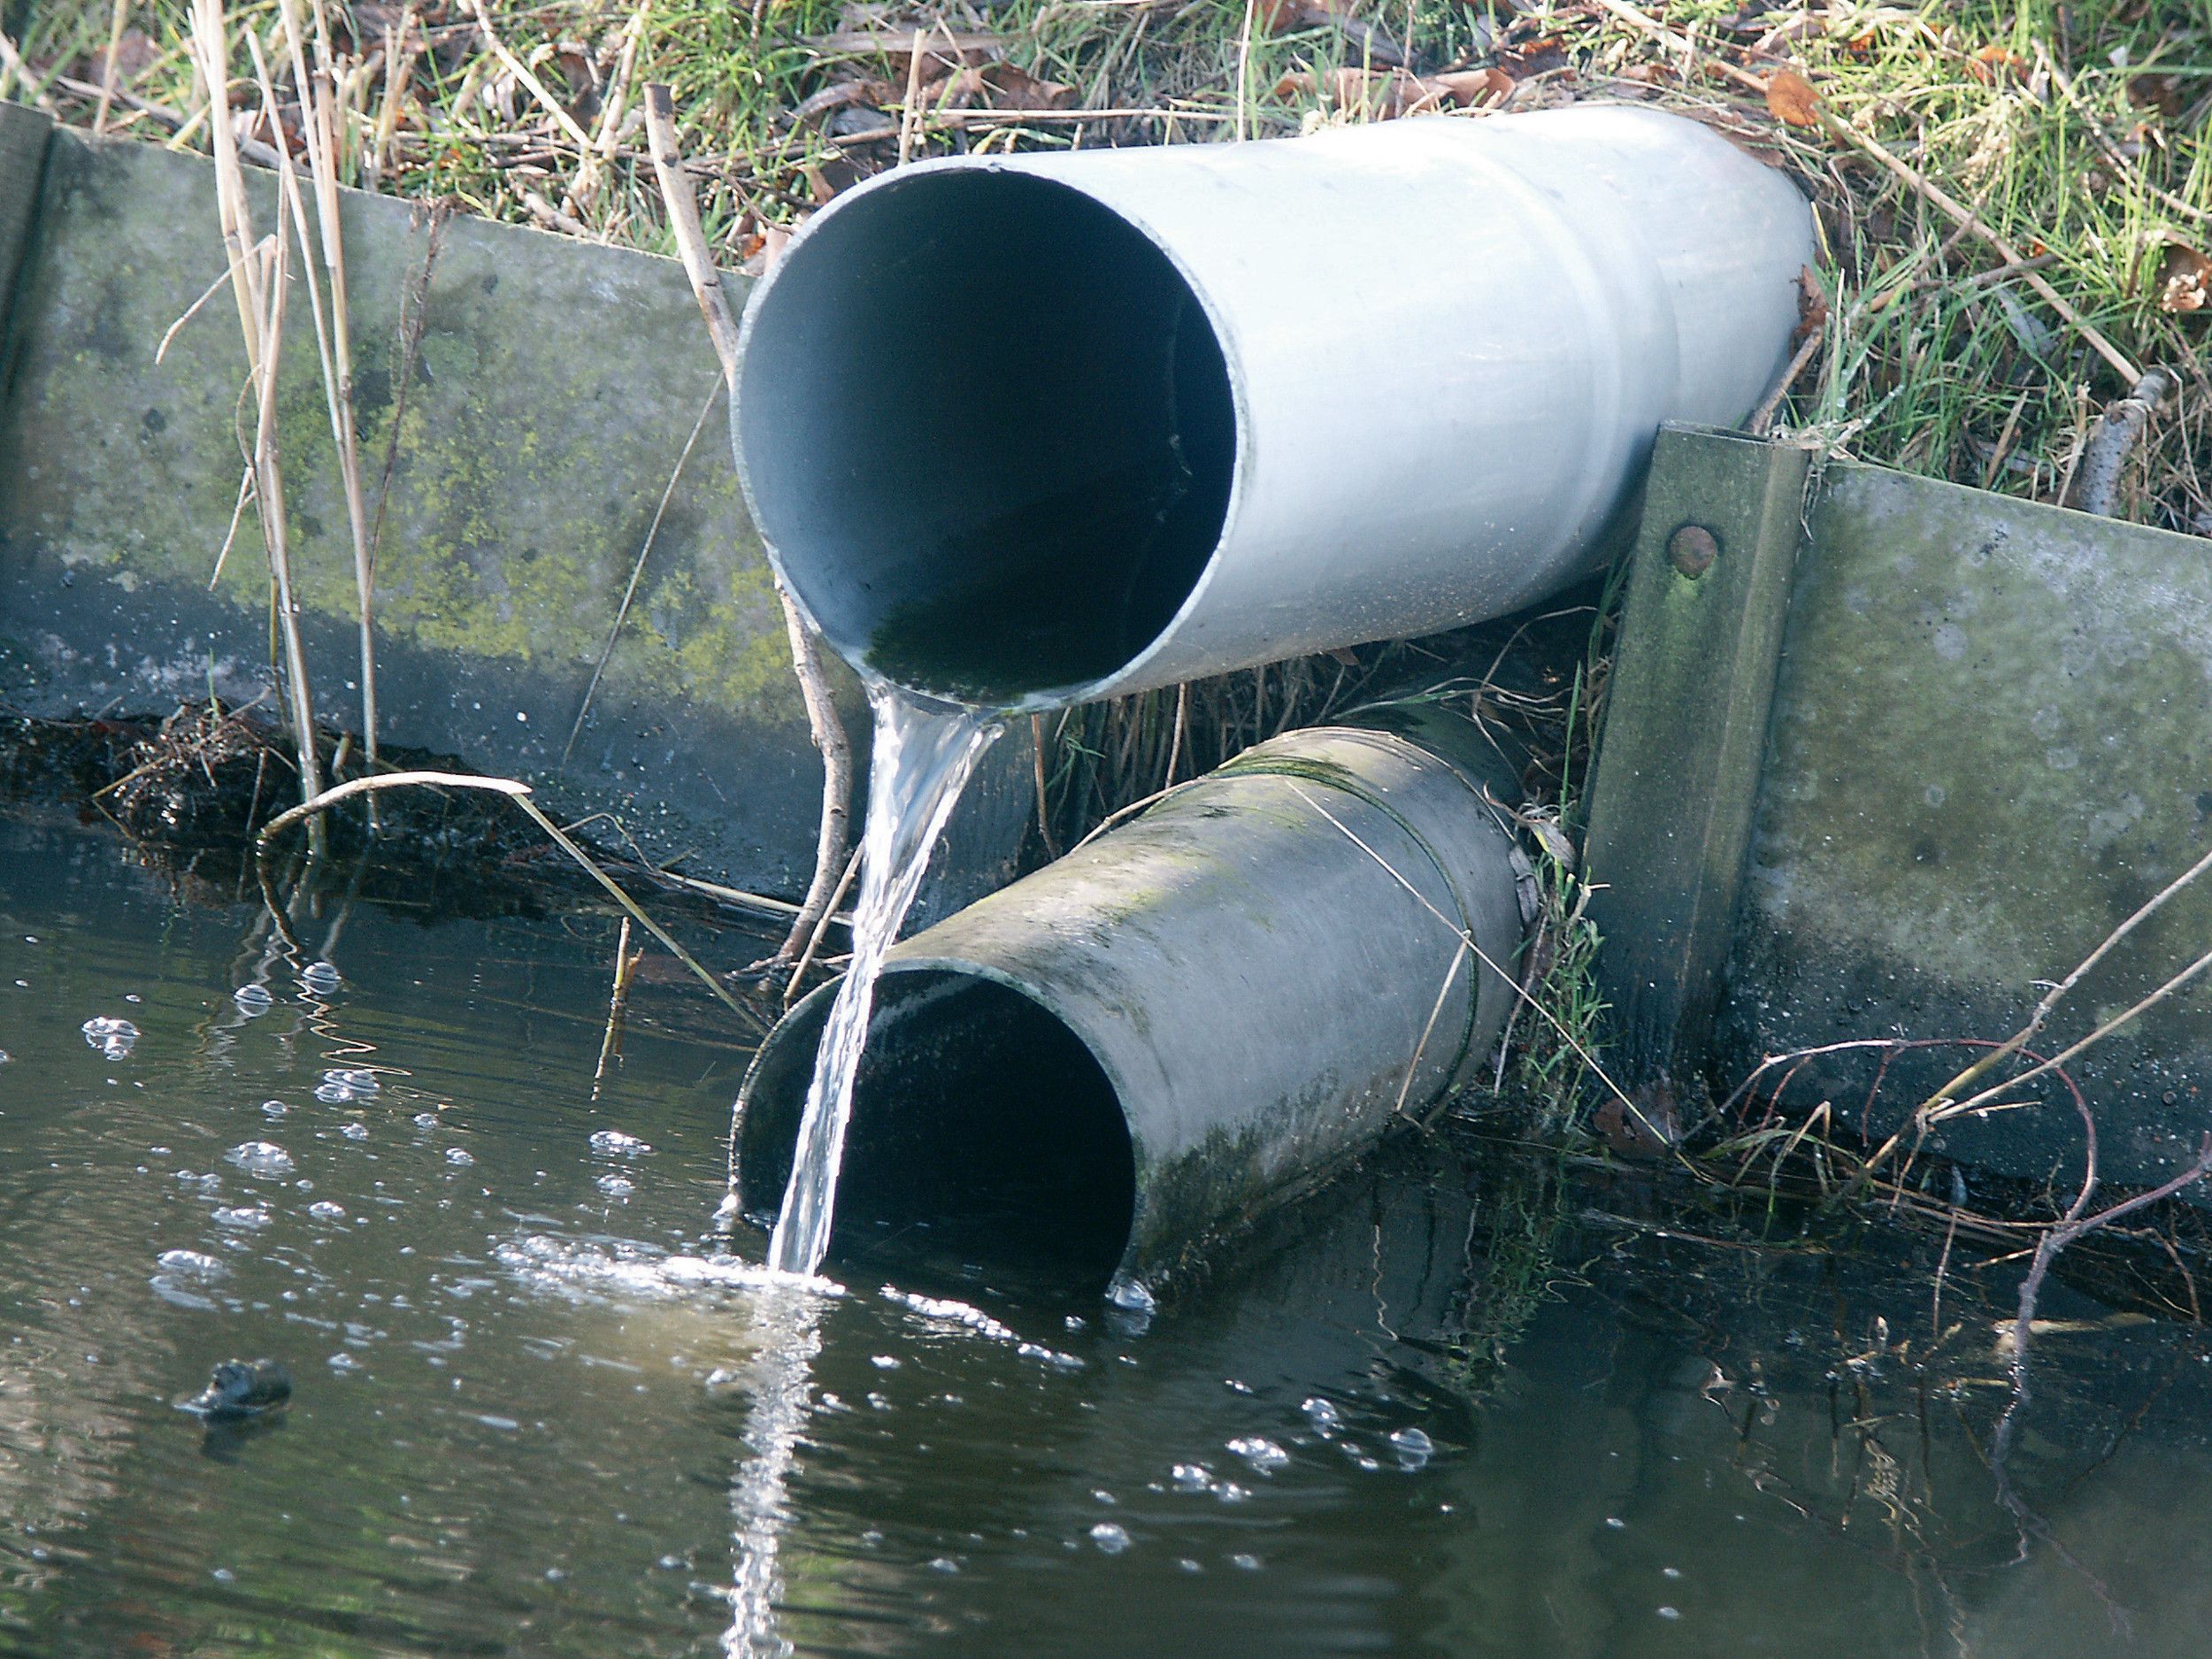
column 1179, row 1021
column 1023, row 430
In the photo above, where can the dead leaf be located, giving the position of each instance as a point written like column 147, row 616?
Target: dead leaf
column 1379, row 94
column 1812, row 306
column 1368, row 43
column 2184, row 280
column 995, row 87
column 845, row 94
column 1382, row 94
column 943, row 50
column 1791, row 100
column 1016, row 88
column 2162, row 93
column 762, row 250
column 1545, row 55
column 1992, row 63
column 1463, row 88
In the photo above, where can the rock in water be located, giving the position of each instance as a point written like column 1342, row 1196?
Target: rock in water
column 240, row 1389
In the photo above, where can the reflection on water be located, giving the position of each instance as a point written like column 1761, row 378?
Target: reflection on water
column 1463, row 1403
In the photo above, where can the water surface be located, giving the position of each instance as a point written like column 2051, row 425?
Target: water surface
column 1458, row 1403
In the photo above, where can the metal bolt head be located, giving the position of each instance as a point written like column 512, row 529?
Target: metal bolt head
column 1692, row 551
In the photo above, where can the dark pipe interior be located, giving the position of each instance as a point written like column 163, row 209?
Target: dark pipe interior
column 989, row 431
column 983, row 1130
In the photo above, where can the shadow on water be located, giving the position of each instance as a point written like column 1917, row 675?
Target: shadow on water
column 1466, row 1399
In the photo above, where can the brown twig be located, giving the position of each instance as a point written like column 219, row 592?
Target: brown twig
column 116, row 22
column 2096, row 482
column 318, row 121
column 824, row 726
column 821, row 928
column 1762, row 417
column 625, row 966
column 519, row 794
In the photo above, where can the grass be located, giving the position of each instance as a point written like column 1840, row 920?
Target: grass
column 2075, row 133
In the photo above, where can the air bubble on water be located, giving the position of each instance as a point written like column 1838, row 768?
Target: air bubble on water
column 274, row 1110
column 1413, row 1446
column 192, row 1264
column 260, row 1157
column 1321, row 1414
column 885, row 1362
column 323, row 1210
column 1130, row 1294
column 1229, row 1491
column 322, row 978
column 1263, row 1455
column 1249, row 1563
column 616, row 1185
column 1192, row 1478
column 342, row 1363
column 241, row 1216
column 426, row 1120
column 344, row 1083
column 616, row 1144
column 455, row 1155
column 1670, row 1572
column 944, row 1563
column 353, row 1131
column 113, row 1038
column 1669, row 1612
column 1110, row 1538
column 1615, row 1522
column 253, row 1000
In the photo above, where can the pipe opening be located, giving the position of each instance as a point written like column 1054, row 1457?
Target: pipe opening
column 983, row 1130
column 989, row 430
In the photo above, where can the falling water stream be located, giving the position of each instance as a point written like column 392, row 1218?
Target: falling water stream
column 922, row 759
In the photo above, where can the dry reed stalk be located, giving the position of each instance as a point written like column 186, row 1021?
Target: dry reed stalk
column 598, row 160
column 823, row 724
column 116, row 22
column 261, row 325
column 315, row 119
column 618, row 1000
column 523, row 73
column 311, row 811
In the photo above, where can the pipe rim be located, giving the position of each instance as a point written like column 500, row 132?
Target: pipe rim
column 801, row 1015
column 1132, row 670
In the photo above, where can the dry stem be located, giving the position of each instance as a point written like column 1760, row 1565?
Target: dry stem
column 827, row 730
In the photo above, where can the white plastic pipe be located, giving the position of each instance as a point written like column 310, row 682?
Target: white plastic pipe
column 1031, row 429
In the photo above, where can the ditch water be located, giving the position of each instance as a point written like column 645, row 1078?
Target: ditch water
column 1461, row 1402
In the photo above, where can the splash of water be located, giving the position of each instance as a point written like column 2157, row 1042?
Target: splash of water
column 791, row 1327
column 922, row 759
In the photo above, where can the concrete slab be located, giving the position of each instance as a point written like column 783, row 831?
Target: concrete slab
column 555, row 387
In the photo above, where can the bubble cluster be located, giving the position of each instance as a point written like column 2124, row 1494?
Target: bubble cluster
column 113, row 1038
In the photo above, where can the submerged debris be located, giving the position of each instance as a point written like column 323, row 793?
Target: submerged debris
column 240, row 1389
